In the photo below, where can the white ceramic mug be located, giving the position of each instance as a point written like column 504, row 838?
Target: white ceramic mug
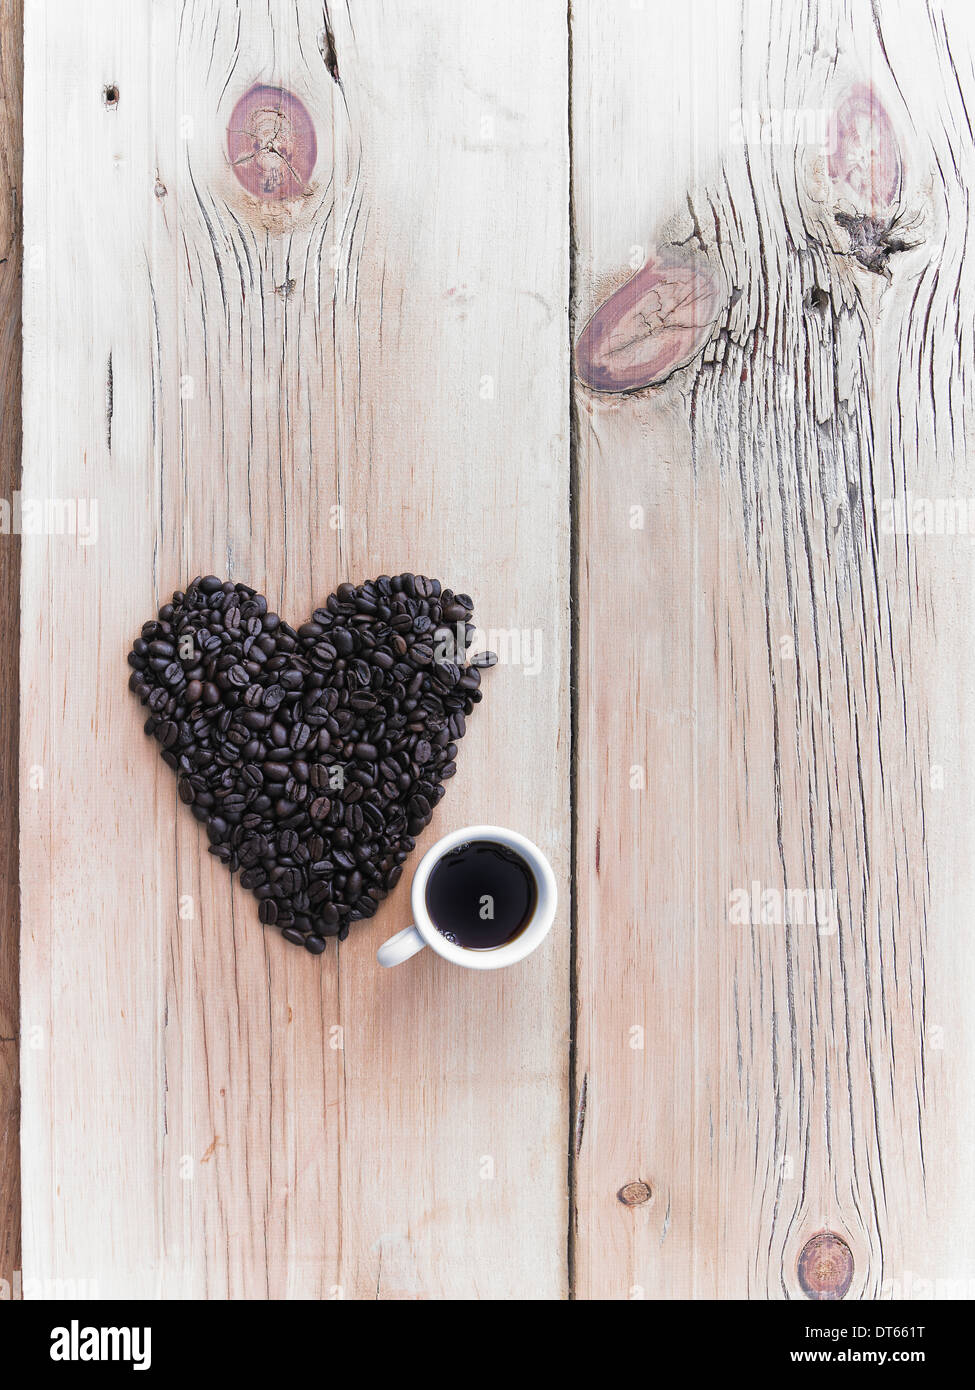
column 406, row 943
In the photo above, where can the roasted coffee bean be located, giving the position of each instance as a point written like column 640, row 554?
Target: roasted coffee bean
column 217, row 829
column 167, row 733
column 247, row 716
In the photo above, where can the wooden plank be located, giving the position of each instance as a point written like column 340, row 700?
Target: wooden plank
column 11, row 138
column 209, row 1112
column 789, row 707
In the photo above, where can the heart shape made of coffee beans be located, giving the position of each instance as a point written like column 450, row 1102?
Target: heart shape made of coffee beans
column 313, row 756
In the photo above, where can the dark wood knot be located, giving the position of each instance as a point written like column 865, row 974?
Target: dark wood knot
column 634, row 1194
column 825, row 1267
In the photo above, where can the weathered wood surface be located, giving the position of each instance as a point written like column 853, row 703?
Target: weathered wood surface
column 791, row 705
column 208, row 1111
column 11, row 106
column 772, row 681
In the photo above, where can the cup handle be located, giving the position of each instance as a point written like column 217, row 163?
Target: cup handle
column 400, row 947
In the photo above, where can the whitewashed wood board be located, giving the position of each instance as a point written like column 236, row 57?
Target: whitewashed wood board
column 208, row 1111
column 797, row 712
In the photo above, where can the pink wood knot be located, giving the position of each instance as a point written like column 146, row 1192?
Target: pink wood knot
column 271, row 143
column 864, row 156
column 650, row 327
column 634, row 1194
column 825, row 1267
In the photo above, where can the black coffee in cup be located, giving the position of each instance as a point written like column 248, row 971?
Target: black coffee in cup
column 481, row 895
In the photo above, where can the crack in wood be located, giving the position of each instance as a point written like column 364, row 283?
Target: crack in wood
column 326, row 46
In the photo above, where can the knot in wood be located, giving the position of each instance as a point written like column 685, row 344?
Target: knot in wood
column 825, row 1267
column 634, row 1194
column 271, row 143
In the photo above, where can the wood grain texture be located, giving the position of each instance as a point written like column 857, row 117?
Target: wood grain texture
column 11, row 138
column 291, row 392
column 791, row 707
column 773, row 820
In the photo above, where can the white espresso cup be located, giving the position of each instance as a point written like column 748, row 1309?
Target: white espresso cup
column 406, row 943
